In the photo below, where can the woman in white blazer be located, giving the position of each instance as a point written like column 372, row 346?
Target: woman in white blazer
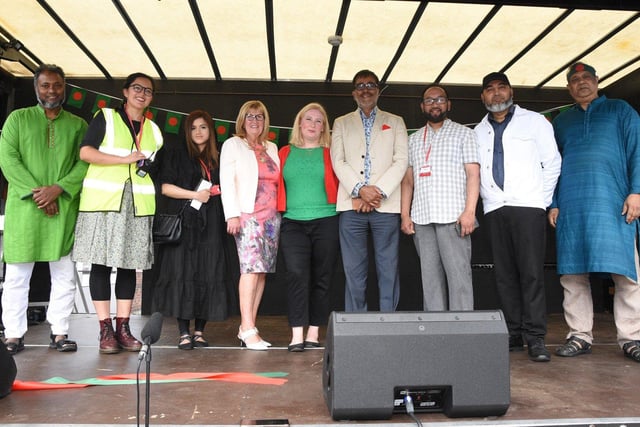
column 249, row 173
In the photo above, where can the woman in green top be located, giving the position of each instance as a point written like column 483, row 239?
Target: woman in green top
column 309, row 231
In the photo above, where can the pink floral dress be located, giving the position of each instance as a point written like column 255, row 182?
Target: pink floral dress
column 257, row 241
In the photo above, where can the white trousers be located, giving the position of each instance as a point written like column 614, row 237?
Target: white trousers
column 578, row 306
column 15, row 297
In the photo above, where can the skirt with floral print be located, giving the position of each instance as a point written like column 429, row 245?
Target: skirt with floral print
column 257, row 243
column 115, row 239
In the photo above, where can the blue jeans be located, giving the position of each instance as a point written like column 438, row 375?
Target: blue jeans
column 385, row 231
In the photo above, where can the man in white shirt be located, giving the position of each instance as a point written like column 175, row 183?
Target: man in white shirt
column 519, row 169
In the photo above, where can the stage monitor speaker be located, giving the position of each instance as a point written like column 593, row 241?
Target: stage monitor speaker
column 7, row 371
column 451, row 362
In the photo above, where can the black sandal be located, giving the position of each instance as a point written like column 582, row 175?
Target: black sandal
column 631, row 350
column 14, row 347
column 199, row 341
column 185, row 342
column 64, row 345
column 574, row 347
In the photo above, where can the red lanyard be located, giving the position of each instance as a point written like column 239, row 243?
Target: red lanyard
column 138, row 137
column 205, row 169
column 424, row 142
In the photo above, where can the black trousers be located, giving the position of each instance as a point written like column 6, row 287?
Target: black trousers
column 518, row 240
column 310, row 251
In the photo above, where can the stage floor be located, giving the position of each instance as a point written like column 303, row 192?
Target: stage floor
column 600, row 388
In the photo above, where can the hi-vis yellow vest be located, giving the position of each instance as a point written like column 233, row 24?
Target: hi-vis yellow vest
column 103, row 185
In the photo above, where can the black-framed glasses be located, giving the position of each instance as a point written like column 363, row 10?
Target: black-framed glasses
column 363, row 86
column 141, row 89
column 437, row 100
column 252, row 117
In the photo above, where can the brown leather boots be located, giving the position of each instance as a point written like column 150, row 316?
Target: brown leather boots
column 112, row 341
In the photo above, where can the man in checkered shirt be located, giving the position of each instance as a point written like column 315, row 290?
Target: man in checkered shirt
column 440, row 191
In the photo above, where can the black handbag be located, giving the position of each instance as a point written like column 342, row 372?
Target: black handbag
column 167, row 228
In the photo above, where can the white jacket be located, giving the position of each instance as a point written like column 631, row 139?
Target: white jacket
column 531, row 162
column 239, row 176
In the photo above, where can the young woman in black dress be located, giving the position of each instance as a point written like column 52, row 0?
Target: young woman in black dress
column 191, row 279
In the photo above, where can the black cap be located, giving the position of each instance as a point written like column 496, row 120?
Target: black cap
column 579, row 67
column 494, row 76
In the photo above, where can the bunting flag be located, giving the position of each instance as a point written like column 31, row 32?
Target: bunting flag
column 172, row 123
column 102, row 101
column 222, row 130
column 274, row 134
column 76, row 97
column 151, row 113
column 79, row 97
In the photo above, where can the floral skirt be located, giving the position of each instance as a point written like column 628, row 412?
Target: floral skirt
column 257, row 243
column 115, row 239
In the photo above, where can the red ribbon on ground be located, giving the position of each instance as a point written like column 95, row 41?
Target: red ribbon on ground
column 269, row 378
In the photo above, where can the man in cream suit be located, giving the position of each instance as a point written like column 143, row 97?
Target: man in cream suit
column 369, row 155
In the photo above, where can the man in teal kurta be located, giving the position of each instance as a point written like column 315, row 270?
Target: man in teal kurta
column 596, row 210
column 39, row 157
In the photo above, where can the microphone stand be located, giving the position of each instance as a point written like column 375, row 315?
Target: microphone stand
column 147, row 383
column 150, row 334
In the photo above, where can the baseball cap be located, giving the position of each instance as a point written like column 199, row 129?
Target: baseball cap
column 495, row 76
column 579, row 67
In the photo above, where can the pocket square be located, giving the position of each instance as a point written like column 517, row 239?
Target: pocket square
column 385, row 126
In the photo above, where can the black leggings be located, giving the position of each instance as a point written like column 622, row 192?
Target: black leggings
column 100, row 283
column 183, row 325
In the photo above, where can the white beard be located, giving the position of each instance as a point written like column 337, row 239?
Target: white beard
column 496, row 108
column 51, row 105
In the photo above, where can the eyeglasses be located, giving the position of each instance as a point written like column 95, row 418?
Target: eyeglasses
column 141, row 89
column 252, row 117
column 431, row 101
column 363, row 86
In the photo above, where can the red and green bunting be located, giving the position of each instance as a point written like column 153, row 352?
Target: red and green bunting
column 222, row 130
column 77, row 97
column 172, row 122
column 274, row 134
column 151, row 113
column 102, row 101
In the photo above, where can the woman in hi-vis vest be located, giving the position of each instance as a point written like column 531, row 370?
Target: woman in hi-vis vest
column 117, row 205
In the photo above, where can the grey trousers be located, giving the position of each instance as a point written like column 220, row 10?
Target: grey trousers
column 445, row 263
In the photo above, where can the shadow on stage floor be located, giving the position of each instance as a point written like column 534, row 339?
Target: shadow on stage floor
column 597, row 389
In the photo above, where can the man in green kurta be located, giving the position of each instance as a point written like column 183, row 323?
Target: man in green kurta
column 39, row 156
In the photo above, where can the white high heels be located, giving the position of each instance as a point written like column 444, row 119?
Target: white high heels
column 267, row 343
column 243, row 335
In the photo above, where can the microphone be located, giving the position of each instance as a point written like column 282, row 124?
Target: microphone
column 150, row 333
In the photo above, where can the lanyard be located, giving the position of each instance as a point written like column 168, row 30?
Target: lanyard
column 424, row 142
column 138, row 136
column 205, row 169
